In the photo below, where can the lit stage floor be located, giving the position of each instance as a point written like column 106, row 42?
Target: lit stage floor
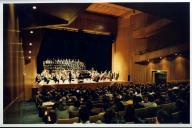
column 88, row 85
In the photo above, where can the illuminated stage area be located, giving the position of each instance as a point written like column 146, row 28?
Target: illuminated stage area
column 92, row 85
column 64, row 71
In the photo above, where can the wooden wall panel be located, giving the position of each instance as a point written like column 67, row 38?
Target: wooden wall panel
column 151, row 29
column 30, row 75
column 95, row 22
column 13, row 68
column 126, row 47
column 31, row 67
column 177, row 69
column 161, row 52
column 124, row 56
column 121, row 63
column 181, row 68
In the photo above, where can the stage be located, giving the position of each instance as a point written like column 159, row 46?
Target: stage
column 92, row 85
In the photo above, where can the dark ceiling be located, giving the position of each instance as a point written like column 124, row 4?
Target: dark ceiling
column 48, row 14
column 66, row 13
column 177, row 11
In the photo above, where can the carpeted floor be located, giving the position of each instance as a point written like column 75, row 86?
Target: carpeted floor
column 22, row 113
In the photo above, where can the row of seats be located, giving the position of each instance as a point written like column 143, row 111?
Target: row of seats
column 149, row 114
column 95, row 118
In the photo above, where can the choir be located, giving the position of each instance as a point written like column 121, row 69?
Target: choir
column 63, row 64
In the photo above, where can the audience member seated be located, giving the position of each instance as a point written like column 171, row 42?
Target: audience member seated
column 84, row 114
column 51, row 117
column 162, row 100
column 130, row 117
column 150, row 102
column 183, row 109
column 128, row 100
column 137, row 102
column 118, row 106
column 62, row 113
column 163, row 117
column 89, row 106
column 62, row 103
column 109, row 117
column 75, row 107
column 106, row 102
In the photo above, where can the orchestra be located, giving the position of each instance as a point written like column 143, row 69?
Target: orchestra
column 69, row 71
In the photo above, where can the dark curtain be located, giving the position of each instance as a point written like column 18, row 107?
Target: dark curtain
column 94, row 50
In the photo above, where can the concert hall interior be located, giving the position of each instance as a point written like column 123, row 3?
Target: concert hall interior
column 97, row 63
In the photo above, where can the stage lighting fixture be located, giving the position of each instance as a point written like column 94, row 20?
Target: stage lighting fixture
column 31, row 32
column 34, row 7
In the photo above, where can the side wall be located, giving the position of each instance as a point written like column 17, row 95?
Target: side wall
column 126, row 47
column 13, row 59
column 31, row 66
column 30, row 74
column 124, row 50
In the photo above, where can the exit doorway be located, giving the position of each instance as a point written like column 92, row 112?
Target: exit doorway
column 159, row 76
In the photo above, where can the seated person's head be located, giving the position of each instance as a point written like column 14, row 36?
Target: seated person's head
column 162, row 99
column 137, row 99
column 77, row 104
column 117, row 99
column 151, row 98
column 60, row 106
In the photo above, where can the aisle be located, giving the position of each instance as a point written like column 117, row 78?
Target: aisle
column 22, row 113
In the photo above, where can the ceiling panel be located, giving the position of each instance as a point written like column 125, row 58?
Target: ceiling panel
column 109, row 9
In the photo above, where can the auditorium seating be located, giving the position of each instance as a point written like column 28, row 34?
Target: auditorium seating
column 97, row 110
column 175, row 117
column 170, row 107
column 151, row 120
column 73, row 114
column 148, row 114
column 68, row 121
column 97, row 105
column 94, row 119
column 120, row 115
column 101, row 115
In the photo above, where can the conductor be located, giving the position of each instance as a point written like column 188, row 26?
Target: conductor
column 70, row 77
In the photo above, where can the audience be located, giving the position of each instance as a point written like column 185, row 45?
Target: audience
column 118, row 98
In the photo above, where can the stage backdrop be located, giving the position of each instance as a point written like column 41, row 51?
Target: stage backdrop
column 94, row 50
